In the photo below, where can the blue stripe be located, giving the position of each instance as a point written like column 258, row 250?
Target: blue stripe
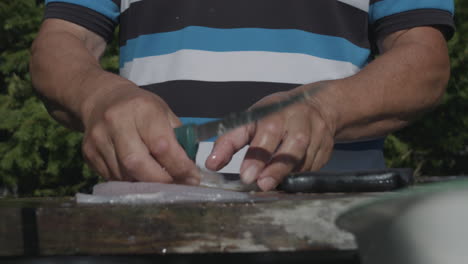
column 105, row 7
column 389, row 7
column 244, row 39
column 196, row 120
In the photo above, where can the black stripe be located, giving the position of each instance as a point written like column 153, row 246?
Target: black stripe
column 361, row 145
column 82, row 16
column 440, row 19
column 371, row 2
column 327, row 17
column 213, row 99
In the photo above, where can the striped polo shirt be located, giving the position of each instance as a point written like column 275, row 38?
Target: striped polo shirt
column 208, row 58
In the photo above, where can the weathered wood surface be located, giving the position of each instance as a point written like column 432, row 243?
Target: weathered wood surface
column 49, row 227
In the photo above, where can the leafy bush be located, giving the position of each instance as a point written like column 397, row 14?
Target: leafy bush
column 438, row 143
column 39, row 157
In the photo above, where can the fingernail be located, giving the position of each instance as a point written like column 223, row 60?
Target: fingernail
column 250, row 174
column 267, row 183
column 214, row 161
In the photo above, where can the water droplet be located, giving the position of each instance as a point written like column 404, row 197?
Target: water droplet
column 164, row 251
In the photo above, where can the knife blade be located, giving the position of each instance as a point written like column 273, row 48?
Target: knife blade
column 189, row 135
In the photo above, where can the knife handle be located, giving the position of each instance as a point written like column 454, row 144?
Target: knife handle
column 352, row 181
column 187, row 138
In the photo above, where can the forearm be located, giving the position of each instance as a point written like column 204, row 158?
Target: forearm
column 66, row 73
column 407, row 80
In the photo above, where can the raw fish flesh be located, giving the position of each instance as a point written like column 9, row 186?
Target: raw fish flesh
column 146, row 192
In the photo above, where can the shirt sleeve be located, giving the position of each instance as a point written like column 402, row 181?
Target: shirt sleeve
column 389, row 16
column 99, row 16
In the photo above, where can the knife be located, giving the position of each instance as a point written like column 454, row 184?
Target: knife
column 321, row 181
column 190, row 135
column 348, row 181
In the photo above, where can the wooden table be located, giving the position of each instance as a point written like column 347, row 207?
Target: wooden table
column 279, row 223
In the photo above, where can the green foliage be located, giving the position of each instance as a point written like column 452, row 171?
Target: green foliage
column 39, row 157
column 438, row 143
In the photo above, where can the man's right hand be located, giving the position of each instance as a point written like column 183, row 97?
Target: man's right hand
column 129, row 135
column 129, row 132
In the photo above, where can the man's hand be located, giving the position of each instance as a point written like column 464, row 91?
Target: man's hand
column 129, row 135
column 406, row 80
column 128, row 131
column 298, row 138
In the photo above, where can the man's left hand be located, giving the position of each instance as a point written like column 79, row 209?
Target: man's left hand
column 297, row 138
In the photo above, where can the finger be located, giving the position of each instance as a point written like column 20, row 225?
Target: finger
column 110, row 157
column 135, row 159
column 133, row 156
column 321, row 143
column 227, row 145
column 323, row 154
column 100, row 167
column 141, row 166
column 97, row 140
column 267, row 138
column 290, row 153
column 174, row 121
column 157, row 136
column 311, row 152
column 95, row 162
column 309, row 157
column 169, row 154
column 195, row 174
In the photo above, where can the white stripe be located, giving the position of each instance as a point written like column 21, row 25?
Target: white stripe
column 235, row 66
column 125, row 4
column 361, row 4
column 204, row 150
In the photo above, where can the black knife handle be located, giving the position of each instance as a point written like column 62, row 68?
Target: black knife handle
column 347, row 181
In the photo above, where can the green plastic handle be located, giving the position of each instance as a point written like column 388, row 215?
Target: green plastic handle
column 187, row 137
